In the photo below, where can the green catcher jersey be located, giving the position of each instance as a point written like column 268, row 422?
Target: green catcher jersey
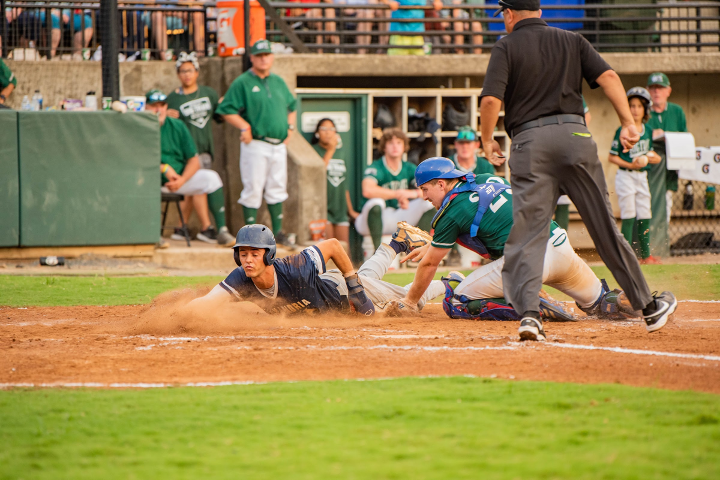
column 495, row 224
column 642, row 147
column 402, row 179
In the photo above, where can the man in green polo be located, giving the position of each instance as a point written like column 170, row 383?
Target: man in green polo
column 8, row 82
column 665, row 116
column 260, row 105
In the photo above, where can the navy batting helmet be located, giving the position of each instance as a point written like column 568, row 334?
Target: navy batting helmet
column 436, row 167
column 643, row 94
column 256, row 236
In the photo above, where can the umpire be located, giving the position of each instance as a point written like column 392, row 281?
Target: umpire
column 538, row 71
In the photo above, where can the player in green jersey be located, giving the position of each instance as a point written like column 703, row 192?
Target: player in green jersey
column 631, row 181
column 388, row 187
column 466, row 158
column 328, row 145
column 479, row 216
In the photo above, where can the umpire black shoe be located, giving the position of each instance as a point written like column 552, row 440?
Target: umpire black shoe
column 665, row 305
column 531, row 329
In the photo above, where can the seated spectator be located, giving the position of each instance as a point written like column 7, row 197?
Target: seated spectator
column 459, row 26
column 366, row 13
column 414, row 30
column 389, row 187
column 29, row 25
column 8, row 82
column 329, row 26
column 80, row 36
column 181, row 173
column 163, row 23
column 466, row 157
column 328, row 145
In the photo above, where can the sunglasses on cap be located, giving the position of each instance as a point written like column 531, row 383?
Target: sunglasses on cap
column 466, row 136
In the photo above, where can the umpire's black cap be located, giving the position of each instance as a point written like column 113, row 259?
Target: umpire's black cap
column 517, row 5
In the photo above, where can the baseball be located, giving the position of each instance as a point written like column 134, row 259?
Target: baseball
column 642, row 160
column 118, row 106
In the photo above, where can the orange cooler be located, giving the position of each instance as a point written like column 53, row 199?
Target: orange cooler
column 231, row 26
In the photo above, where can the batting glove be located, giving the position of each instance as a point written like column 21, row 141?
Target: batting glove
column 358, row 297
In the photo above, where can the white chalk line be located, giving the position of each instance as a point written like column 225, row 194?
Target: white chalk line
column 634, row 351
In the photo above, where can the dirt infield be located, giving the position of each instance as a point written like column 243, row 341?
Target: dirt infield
column 155, row 345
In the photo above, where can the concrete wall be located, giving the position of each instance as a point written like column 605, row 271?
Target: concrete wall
column 695, row 78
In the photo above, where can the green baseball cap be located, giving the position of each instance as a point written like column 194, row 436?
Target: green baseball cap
column 259, row 47
column 658, row 78
column 155, row 96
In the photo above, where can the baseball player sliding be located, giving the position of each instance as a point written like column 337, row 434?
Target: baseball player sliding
column 476, row 212
column 302, row 283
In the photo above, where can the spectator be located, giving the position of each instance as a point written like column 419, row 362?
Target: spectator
column 389, row 189
column 328, row 145
column 81, row 36
column 329, row 26
column 366, row 14
column 459, row 26
column 195, row 105
column 175, row 21
column 8, row 82
column 631, row 181
column 260, row 105
column 466, row 158
column 29, row 25
column 181, row 173
column 412, row 28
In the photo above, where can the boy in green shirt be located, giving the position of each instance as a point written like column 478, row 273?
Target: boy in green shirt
column 8, row 82
column 389, row 189
column 631, row 181
column 181, row 173
column 466, row 158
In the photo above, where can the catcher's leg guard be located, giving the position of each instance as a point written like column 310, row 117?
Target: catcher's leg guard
column 610, row 305
column 485, row 309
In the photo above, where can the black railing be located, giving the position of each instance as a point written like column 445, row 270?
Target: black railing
column 160, row 29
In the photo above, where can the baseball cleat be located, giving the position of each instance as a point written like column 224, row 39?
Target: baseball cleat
column 531, row 329
column 552, row 310
column 666, row 306
column 412, row 237
column 397, row 308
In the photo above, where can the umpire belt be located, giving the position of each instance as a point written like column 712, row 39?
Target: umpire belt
column 552, row 120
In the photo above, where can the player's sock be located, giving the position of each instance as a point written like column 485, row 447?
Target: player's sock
column 644, row 235
column 276, row 216
column 216, row 204
column 250, row 215
column 398, row 247
column 375, row 225
column 627, row 226
column 425, row 222
column 562, row 216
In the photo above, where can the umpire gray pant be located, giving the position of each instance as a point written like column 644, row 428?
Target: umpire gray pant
column 546, row 162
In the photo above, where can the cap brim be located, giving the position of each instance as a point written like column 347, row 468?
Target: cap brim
column 454, row 173
column 498, row 11
column 260, row 52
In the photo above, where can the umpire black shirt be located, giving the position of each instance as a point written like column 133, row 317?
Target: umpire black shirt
column 538, row 71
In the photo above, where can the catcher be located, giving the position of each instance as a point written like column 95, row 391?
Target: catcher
column 302, row 283
column 478, row 216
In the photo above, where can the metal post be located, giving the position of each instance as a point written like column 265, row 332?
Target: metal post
column 48, row 28
column 3, row 32
column 246, row 31
column 109, row 41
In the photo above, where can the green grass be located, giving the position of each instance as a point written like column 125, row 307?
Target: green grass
column 406, row 428
column 698, row 282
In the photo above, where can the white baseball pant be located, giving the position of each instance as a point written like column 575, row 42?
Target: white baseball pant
column 563, row 269
column 204, row 181
column 263, row 168
column 391, row 216
column 633, row 191
column 379, row 292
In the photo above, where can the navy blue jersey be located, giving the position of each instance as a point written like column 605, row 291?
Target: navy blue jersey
column 298, row 286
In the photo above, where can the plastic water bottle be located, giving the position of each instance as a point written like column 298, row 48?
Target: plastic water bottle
column 688, row 197
column 710, row 197
column 25, row 105
column 36, row 102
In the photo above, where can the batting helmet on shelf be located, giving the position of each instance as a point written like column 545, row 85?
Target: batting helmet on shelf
column 643, row 94
column 434, row 168
column 256, row 236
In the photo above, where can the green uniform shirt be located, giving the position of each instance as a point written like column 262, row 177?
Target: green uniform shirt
column 262, row 102
column 482, row 165
column 642, row 147
column 176, row 145
column 6, row 76
column 671, row 120
column 336, row 186
column 196, row 111
column 403, row 179
column 495, row 224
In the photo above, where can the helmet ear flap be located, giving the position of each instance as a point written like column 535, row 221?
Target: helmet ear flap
column 269, row 256
column 236, row 256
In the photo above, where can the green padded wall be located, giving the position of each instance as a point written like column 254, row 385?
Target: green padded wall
column 9, row 193
column 89, row 178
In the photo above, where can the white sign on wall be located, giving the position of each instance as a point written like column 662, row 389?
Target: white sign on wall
column 309, row 120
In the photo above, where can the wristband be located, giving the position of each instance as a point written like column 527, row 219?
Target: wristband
column 165, row 168
column 291, row 127
column 244, row 129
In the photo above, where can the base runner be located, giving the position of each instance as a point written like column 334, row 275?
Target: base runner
column 302, row 283
column 478, row 216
